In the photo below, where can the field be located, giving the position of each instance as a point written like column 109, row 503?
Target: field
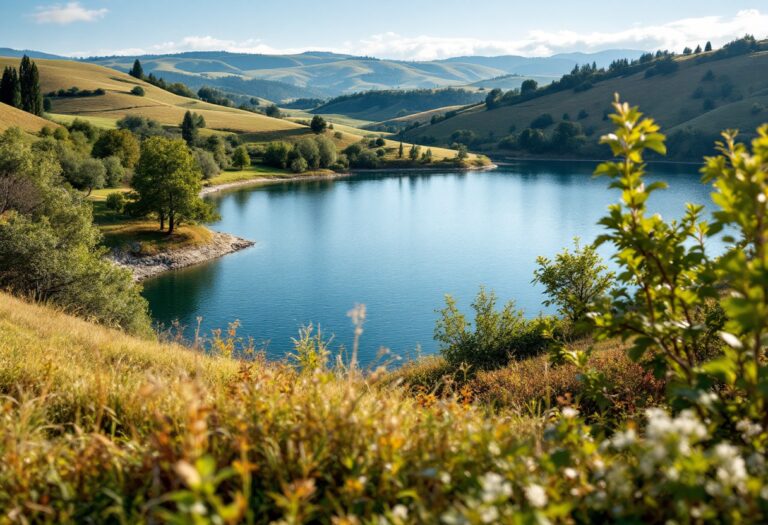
column 671, row 99
column 10, row 117
column 157, row 103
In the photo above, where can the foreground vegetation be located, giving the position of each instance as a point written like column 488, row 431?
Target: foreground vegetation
column 523, row 421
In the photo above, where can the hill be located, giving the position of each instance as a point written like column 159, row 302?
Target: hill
column 385, row 105
column 692, row 103
column 117, row 102
column 10, row 117
column 513, row 81
column 330, row 74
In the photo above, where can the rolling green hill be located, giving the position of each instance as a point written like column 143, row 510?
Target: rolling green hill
column 385, row 105
column 314, row 74
column 700, row 98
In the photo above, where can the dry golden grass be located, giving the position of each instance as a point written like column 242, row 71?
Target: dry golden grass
column 118, row 102
column 13, row 117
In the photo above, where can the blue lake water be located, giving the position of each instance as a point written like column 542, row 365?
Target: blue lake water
column 396, row 242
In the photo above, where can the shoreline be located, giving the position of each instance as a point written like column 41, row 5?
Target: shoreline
column 145, row 267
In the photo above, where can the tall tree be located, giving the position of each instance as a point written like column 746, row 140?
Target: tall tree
column 189, row 128
column 29, row 81
column 400, row 151
column 708, row 47
column 240, row 158
column 137, row 71
column 10, row 90
column 167, row 181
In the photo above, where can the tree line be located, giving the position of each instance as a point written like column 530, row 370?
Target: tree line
column 21, row 89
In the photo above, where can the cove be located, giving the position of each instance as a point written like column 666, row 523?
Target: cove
column 396, row 242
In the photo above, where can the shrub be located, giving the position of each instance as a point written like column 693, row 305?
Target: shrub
column 299, row 165
column 508, row 142
column 493, row 339
column 318, row 124
column 138, row 91
column 116, row 201
column 582, row 114
column 276, row 154
column 367, row 159
column 574, row 281
column 542, row 121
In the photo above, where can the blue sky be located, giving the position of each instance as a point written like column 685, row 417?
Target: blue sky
column 412, row 29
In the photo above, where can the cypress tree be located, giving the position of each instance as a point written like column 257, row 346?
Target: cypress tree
column 29, row 80
column 137, row 71
column 400, row 151
column 189, row 128
column 708, row 47
column 10, row 91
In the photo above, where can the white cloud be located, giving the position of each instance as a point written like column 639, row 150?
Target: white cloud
column 674, row 36
column 67, row 13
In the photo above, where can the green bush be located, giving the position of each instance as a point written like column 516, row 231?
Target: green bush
column 138, row 91
column 116, row 201
column 493, row 338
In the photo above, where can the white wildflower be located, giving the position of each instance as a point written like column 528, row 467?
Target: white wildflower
column 489, row 515
column 732, row 469
column 622, row 440
column 536, row 495
column 495, row 487
column 570, row 473
column 400, row 512
column 198, row 508
column 493, row 448
column 748, row 429
column 569, row 412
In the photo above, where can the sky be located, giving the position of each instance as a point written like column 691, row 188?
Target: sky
column 397, row 29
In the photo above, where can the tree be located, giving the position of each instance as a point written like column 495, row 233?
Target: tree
column 138, row 91
column 318, row 124
column 528, row 86
column 414, row 153
column 697, row 50
column 462, row 153
column 493, row 98
column 49, row 247
column 687, row 50
column 708, row 47
column 272, row 111
column 400, row 151
column 574, row 281
column 119, row 143
column 167, row 182
column 115, row 172
column 309, row 151
column 566, row 137
column 10, row 88
column 276, row 154
column 189, row 130
column 137, row 71
column 91, row 175
column 240, row 157
column 327, row 151
column 532, row 140
column 29, row 83
column 207, row 163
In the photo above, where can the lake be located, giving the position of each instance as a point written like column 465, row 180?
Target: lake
column 396, row 242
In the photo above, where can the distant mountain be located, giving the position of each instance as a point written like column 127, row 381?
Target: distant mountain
column 321, row 74
column 8, row 52
column 555, row 65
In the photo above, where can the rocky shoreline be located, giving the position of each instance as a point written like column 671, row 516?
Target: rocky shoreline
column 144, row 267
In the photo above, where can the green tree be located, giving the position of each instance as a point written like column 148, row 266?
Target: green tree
column 167, row 182
column 273, row 111
column 462, row 152
column 708, row 46
column 91, row 175
column 115, row 172
column 29, row 83
column 138, row 91
column 698, row 49
column 118, row 143
column 207, row 163
column 318, row 124
column 566, row 137
column 574, row 281
column 493, row 98
column 309, row 151
column 400, row 151
column 414, row 152
column 327, row 151
column 10, row 88
column 276, row 154
column 137, row 71
column 240, row 157
column 49, row 248
column 189, row 125
column 528, row 86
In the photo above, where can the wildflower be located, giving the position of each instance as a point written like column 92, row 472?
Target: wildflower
column 569, row 412
column 198, row 508
column 622, row 440
column 536, row 495
column 494, row 449
column 570, row 473
column 732, row 469
column 400, row 512
column 748, row 428
column 494, row 487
